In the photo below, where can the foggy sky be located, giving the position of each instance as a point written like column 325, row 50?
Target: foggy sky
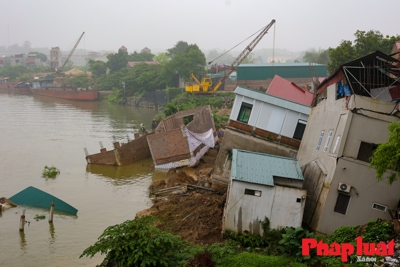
column 211, row 24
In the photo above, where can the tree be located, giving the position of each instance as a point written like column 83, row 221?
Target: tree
column 81, row 80
column 319, row 56
column 180, row 47
column 143, row 78
column 26, row 46
column 117, row 61
column 98, row 68
column 387, row 156
column 191, row 60
column 162, row 58
column 365, row 43
column 142, row 56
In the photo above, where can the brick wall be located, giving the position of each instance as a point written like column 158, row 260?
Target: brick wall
column 270, row 136
column 103, row 158
column 133, row 151
column 241, row 126
column 128, row 153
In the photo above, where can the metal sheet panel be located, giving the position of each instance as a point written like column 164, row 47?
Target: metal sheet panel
column 32, row 196
column 273, row 100
column 260, row 168
column 285, row 70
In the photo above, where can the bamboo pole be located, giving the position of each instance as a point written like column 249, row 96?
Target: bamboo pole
column 22, row 222
column 51, row 212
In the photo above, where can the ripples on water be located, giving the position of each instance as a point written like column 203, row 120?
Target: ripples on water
column 38, row 131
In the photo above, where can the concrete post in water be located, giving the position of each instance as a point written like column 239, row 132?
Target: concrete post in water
column 22, row 222
column 51, row 212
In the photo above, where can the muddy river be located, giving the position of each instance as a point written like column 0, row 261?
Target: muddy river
column 38, row 131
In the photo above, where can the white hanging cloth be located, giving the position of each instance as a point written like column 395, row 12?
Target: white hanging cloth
column 195, row 139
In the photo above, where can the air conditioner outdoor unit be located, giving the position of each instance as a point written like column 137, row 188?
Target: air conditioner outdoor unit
column 344, row 187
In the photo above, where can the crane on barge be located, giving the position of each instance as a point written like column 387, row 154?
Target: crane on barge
column 58, row 70
column 205, row 85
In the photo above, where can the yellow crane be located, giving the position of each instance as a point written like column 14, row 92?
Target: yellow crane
column 205, row 86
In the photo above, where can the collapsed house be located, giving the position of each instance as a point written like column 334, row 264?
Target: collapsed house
column 262, row 123
column 263, row 186
column 183, row 138
column 124, row 154
column 354, row 108
column 179, row 140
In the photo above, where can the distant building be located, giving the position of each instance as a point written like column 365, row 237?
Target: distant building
column 55, row 57
column 259, row 76
column 146, row 50
column 123, row 48
column 18, row 59
column 33, row 60
column 134, row 63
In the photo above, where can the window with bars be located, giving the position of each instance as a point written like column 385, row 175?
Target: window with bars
column 321, row 136
column 328, row 140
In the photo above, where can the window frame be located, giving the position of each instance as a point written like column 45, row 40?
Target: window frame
column 252, row 192
column 344, row 197
column 364, row 146
column 321, row 137
column 328, row 140
column 377, row 204
column 243, row 108
column 300, row 122
column 336, row 145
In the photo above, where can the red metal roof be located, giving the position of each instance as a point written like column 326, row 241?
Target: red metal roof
column 285, row 89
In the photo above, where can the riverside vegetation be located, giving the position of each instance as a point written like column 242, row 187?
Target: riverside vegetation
column 140, row 242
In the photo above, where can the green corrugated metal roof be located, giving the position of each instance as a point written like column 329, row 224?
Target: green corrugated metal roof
column 273, row 100
column 285, row 70
column 290, row 64
column 32, row 196
column 253, row 167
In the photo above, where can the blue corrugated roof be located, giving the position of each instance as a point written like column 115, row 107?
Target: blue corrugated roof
column 260, row 168
column 273, row 100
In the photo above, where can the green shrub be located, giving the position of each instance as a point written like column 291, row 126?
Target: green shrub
column 247, row 259
column 247, row 240
column 138, row 242
column 291, row 242
column 378, row 230
column 344, row 234
column 50, row 172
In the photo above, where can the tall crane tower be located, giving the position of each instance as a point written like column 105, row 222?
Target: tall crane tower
column 205, row 86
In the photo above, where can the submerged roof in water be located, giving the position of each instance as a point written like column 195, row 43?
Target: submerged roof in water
column 32, row 196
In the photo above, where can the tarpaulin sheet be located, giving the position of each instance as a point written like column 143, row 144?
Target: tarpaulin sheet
column 195, row 139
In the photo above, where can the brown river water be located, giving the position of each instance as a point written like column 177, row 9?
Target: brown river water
column 37, row 131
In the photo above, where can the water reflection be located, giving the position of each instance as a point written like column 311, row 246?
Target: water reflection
column 122, row 175
column 52, row 233
column 22, row 240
